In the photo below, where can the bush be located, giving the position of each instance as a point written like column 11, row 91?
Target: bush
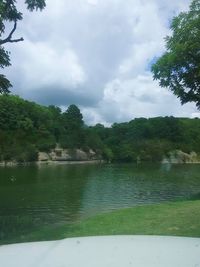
column 26, row 154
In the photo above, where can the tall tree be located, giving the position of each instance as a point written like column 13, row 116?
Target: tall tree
column 73, row 119
column 179, row 68
column 73, row 124
column 9, row 13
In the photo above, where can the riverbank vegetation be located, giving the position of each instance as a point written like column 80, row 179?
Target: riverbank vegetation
column 171, row 219
column 26, row 128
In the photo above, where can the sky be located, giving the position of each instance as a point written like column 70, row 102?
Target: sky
column 96, row 54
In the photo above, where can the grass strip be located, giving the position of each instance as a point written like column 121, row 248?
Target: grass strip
column 172, row 219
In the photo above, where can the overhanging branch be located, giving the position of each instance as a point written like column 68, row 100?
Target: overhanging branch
column 9, row 38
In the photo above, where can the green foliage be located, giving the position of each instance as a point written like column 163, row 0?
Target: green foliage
column 35, row 4
column 107, row 154
column 10, row 14
column 178, row 68
column 25, row 154
column 151, row 139
column 72, row 118
column 73, row 125
column 92, row 139
column 26, row 128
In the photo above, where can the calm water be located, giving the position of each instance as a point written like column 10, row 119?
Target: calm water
column 32, row 197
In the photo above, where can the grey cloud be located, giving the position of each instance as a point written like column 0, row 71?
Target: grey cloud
column 147, row 98
column 60, row 97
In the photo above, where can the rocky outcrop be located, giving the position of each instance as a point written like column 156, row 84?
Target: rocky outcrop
column 180, row 157
column 42, row 156
column 59, row 154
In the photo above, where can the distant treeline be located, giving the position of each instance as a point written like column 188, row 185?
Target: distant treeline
column 26, row 128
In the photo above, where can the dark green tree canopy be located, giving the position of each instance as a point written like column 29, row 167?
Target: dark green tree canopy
column 179, row 68
column 73, row 117
column 10, row 14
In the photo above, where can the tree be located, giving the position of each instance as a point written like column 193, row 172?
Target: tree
column 179, row 68
column 56, row 121
column 73, row 117
column 9, row 13
column 73, row 124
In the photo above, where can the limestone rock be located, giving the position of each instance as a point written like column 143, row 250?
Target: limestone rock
column 42, row 156
column 180, row 157
column 59, row 154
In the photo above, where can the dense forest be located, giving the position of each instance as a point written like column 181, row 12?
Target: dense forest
column 27, row 128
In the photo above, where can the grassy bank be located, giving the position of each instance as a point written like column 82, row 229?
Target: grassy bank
column 175, row 219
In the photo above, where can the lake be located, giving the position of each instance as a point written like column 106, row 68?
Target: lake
column 36, row 196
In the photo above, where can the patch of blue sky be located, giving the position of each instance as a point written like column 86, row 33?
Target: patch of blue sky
column 150, row 63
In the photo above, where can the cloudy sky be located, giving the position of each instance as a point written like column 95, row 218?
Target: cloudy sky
column 96, row 54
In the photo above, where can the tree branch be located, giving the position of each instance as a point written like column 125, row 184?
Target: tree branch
column 9, row 38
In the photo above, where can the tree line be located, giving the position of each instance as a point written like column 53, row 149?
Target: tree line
column 27, row 128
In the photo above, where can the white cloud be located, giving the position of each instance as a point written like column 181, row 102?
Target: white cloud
column 92, row 2
column 98, row 54
column 43, row 66
column 195, row 115
column 139, row 97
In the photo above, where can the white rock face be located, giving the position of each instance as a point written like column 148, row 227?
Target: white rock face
column 180, row 157
column 113, row 251
column 42, row 156
column 59, row 154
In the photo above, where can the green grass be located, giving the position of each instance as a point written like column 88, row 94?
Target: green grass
column 174, row 219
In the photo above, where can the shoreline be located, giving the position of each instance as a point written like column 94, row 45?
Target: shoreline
column 68, row 162
column 50, row 162
column 183, row 220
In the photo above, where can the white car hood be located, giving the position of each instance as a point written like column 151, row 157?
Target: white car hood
column 108, row 251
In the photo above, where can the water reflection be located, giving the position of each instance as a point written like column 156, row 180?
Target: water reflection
column 120, row 186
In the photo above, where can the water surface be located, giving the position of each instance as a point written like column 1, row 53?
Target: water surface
column 35, row 196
